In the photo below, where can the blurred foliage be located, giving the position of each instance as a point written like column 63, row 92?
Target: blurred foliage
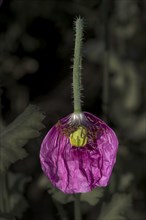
column 92, row 197
column 13, row 200
column 115, row 209
column 13, row 137
column 36, row 45
column 17, row 134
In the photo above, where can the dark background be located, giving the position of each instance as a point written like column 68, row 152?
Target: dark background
column 36, row 51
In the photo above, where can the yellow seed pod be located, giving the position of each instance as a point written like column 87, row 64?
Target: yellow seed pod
column 79, row 137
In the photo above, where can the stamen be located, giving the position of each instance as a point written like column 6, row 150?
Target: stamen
column 79, row 137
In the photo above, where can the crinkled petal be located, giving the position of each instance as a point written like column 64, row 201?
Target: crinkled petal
column 75, row 169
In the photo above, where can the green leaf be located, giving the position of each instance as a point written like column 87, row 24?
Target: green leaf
column 92, row 197
column 13, row 137
column 60, row 196
column 116, row 209
column 19, row 205
column 12, row 197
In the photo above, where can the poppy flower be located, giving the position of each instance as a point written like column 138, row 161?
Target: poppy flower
column 79, row 153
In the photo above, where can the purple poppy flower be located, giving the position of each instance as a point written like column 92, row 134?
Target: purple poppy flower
column 78, row 153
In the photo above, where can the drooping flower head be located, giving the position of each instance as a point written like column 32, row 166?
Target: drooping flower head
column 78, row 153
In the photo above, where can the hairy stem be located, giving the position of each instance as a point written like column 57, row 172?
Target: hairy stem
column 77, row 64
column 77, row 208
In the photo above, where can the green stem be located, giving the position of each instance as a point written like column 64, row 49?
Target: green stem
column 77, row 65
column 61, row 210
column 77, row 207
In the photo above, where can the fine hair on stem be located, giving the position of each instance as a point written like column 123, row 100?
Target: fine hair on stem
column 77, row 65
